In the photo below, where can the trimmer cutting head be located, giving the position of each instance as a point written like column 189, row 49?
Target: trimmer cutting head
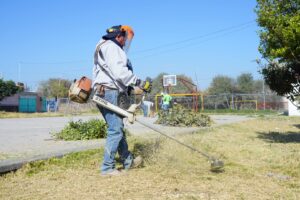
column 216, row 165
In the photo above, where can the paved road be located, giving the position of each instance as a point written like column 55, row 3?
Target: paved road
column 28, row 139
column 29, row 136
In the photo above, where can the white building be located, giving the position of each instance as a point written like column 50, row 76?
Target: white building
column 293, row 110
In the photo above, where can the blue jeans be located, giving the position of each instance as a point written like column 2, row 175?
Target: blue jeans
column 116, row 140
column 145, row 109
column 165, row 107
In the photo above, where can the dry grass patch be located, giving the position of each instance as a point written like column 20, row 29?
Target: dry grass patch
column 29, row 115
column 3, row 156
column 42, row 114
column 261, row 162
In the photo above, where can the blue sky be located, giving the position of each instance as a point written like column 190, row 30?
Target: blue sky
column 42, row 39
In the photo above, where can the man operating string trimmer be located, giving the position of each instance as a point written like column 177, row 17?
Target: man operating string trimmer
column 112, row 77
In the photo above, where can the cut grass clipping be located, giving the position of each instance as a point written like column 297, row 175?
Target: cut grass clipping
column 180, row 116
column 79, row 130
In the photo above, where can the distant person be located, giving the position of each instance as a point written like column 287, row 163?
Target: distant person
column 147, row 105
column 166, row 101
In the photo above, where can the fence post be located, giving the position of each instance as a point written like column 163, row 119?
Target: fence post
column 202, row 100
column 256, row 105
column 156, row 106
column 232, row 100
column 264, row 94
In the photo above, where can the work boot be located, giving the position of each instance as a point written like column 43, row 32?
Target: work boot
column 137, row 162
column 114, row 172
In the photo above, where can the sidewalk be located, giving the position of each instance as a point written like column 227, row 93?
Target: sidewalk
column 27, row 140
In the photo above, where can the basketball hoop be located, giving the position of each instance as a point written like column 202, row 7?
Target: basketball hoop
column 169, row 80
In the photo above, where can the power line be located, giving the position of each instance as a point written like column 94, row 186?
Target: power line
column 55, row 63
column 189, row 45
column 195, row 38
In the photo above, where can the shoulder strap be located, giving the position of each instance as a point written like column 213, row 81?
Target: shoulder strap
column 98, row 50
column 109, row 74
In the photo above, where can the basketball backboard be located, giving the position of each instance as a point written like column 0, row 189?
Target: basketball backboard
column 169, row 80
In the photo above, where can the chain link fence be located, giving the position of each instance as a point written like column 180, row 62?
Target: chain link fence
column 193, row 101
column 65, row 106
column 226, row 101
column 245, row 101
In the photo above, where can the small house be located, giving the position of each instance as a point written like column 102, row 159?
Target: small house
column 27, row 102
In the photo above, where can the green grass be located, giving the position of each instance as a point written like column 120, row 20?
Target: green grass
column 80, row 130
column 78, row 160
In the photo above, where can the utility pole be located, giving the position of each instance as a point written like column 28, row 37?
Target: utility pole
column 264, row 94
column 197, row 101
column 19, row 72
column 197, row 80
column 232, row 100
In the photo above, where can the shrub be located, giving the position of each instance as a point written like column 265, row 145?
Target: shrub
column 92, row 129
column 180, row 116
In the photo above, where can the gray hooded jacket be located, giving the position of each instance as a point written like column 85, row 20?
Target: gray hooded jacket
column 110, row 67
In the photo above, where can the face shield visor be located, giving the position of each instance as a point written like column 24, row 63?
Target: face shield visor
column 128, row 37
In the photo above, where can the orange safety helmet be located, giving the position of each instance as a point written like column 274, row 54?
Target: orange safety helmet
column 128, row 30
column 124, row 30
column 128, row 36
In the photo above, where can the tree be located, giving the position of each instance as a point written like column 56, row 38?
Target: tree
column 260, row 87
column 280, row 45
column 157, row 84
column 54, row 87
column 221, row 84
column 185, row 84
column 7, row 88
column 245, row 83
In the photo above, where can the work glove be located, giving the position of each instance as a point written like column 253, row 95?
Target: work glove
column 146, row 85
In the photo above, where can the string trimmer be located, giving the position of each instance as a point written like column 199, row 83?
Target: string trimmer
column 216, row 164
